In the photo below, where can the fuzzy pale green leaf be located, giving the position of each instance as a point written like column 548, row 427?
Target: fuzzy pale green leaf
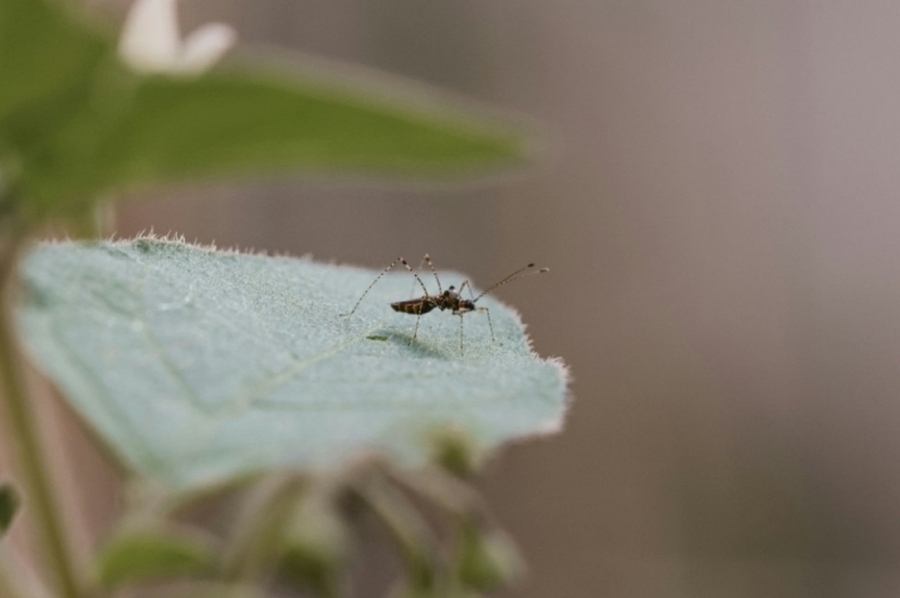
column 196, row 365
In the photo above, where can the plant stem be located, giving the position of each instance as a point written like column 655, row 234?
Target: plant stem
column 24, row 433
column 264, row 509
column 407, row 527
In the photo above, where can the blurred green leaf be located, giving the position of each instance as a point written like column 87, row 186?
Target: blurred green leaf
column 57, row 102
column 207, row 589
column 43, row 54
column 178, row 129
column 196, row 365
column 140, row 554
column 455, row 451
column 226, row 123
column 316, row 545
column 487, row 560
column 76, row 125
column 9, row 505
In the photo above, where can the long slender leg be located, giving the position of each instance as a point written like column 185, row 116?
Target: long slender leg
column 383, row 272
column 427, row 259
column 483, row 309
column 460, row 333
column 487, row 312
column 418, row 269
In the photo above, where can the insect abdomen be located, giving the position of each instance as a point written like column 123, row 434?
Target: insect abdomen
column 415, row 307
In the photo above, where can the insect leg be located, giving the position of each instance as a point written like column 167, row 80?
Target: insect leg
column 460, row 333
column 486, row 311
column 414, row 283
column 427, row 259
column 416, row 329
column 377, row 278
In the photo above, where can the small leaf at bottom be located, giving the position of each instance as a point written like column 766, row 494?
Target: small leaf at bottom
column 137, row 555
column 9, row 505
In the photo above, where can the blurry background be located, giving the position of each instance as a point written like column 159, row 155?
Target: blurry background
column 723, row 229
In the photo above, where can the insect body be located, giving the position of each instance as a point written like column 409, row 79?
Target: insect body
column 450, row 299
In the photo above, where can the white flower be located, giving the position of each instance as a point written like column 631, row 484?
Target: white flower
column 151, row 41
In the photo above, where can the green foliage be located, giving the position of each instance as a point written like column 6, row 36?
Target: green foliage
column 145, row 553
column 486, row 560
column 233, row 124
column 44, row 54
column 76, row 125
column 454, row 450
column 51, row 65
column 197, row 366
column 409, row 531
column 213, row 590
column 9, row 505
column 317, row 546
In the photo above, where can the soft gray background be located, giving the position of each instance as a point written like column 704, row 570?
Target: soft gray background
column 722, row 223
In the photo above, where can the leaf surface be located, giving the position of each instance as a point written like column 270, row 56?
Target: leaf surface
column 196, row 365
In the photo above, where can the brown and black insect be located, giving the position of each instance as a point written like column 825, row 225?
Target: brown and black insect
column 449, row 299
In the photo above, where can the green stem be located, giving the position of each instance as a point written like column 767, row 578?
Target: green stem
column 23, row 430
column 408, row 529
column 264, row 510
column 441, row 489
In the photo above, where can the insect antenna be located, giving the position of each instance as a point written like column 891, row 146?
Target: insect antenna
column 517, row 274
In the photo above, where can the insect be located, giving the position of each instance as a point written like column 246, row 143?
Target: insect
column 449, row 299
